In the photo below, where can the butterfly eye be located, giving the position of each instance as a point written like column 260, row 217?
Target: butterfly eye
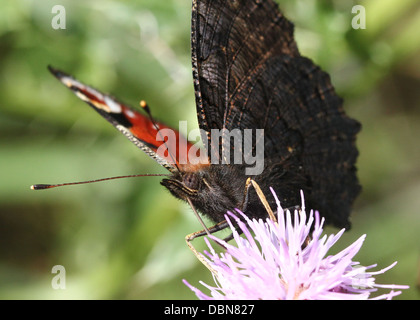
column 191, row 181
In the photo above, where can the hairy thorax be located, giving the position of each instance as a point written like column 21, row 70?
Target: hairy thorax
column 216, row 189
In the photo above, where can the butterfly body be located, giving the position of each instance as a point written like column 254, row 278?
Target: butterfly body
column 216, row 189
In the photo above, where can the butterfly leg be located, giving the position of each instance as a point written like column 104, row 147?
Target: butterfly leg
column 223, row 225
column 248, row 184
column 245, row 200
column 261, row 195
column 189, row 238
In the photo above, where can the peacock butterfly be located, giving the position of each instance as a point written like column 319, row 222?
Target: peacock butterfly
column 249, row 75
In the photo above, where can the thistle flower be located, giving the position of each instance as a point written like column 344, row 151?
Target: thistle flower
column 288, row 259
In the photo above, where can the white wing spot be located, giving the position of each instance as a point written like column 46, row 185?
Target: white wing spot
column 68, row 81
column 129, row 113
column 114, row 107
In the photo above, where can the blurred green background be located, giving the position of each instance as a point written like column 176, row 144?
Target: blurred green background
column 125, row 239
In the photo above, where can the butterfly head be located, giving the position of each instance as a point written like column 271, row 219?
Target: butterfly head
column 212, row 189
column 184, row 185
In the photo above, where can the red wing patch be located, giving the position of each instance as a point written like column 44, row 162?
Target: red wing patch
column 168, row 147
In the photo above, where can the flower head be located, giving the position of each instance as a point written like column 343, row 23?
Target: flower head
column 287, row 259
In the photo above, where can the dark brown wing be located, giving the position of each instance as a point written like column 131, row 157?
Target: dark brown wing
column 248, row 74
column 235, row 45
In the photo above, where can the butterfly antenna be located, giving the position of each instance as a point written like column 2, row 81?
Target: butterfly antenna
column 146, row 108
column 49, row 186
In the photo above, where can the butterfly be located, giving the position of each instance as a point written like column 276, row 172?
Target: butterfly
column 249, row 75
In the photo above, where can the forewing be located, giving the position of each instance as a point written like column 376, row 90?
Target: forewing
column 138, row 128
